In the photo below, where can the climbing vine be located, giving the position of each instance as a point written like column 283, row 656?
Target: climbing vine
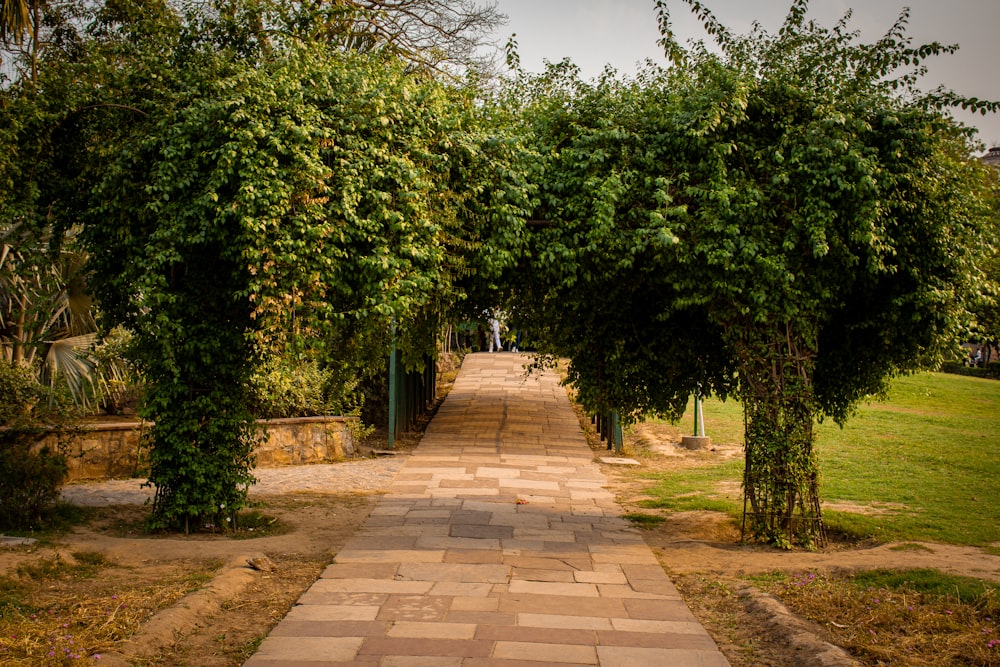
column 302, row 204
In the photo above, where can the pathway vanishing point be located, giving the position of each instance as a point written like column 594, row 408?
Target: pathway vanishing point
column 498, row 545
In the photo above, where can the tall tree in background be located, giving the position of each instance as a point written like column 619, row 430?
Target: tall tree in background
column 987, row 310
column 449, row 37
column 20, row 21
column 15, row 19
column 28, row 27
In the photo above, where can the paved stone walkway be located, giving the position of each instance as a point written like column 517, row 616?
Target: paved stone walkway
column 498, row 545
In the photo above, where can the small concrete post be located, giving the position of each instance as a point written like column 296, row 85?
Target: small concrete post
column 699, row 440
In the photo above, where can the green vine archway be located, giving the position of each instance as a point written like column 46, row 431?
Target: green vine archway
column 789, row 221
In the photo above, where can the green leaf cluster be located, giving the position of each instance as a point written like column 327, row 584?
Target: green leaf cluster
column 281, row 389
column 31, row 474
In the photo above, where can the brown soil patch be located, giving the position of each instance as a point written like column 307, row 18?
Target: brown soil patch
column 871, row 509
column 655, row 442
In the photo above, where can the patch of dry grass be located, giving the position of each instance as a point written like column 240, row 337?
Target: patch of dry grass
column 900, row 618
column 44, row 624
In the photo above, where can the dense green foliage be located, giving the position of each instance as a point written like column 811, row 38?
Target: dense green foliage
column 604, row 289
column 987, row 310
column 251, row 187
column 790, row 220
column 293, row 205
column 31, row 474
column 304, row 389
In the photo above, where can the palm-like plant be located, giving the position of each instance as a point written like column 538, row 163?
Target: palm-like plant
column 15, row 20
column 46, row 320
column 20, row 22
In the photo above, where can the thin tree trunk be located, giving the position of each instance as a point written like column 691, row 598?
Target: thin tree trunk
column 781, row 475
column 36, row 22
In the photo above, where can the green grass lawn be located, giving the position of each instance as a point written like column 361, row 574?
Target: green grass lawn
column 926, row 461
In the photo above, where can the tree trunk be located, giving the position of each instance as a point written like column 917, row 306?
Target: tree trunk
column 36, row 23
column 780, row 482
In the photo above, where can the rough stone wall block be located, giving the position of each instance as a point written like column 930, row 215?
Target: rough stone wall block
column 115, row 450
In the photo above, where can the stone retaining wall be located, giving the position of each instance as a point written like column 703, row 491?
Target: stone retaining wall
column 113, row 449
column 300, row 440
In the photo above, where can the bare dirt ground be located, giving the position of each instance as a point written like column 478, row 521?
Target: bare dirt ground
column 221, row 621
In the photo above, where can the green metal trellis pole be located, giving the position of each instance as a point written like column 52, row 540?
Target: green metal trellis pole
column 392, row 389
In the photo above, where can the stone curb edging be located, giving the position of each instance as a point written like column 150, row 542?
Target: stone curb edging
column 794, row 631
column 184, row 615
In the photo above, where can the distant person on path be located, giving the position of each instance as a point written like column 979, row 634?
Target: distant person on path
column 495, row 333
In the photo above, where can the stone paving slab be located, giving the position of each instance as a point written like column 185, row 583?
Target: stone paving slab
column 499, row 544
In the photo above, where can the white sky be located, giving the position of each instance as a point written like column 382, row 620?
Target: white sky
column 593, row 33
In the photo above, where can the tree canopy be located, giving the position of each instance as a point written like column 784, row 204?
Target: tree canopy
column 790, row 220
column 252, row 193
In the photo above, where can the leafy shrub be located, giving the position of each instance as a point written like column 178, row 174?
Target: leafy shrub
column 119, row 381
column 285, row 388
column 19, row 394
column 991, row 370
column 30, row 475
column 30, row 480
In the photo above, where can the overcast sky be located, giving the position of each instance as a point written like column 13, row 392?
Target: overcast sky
column 593, row 33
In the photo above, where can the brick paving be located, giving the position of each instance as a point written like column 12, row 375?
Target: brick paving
column 497, row 545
